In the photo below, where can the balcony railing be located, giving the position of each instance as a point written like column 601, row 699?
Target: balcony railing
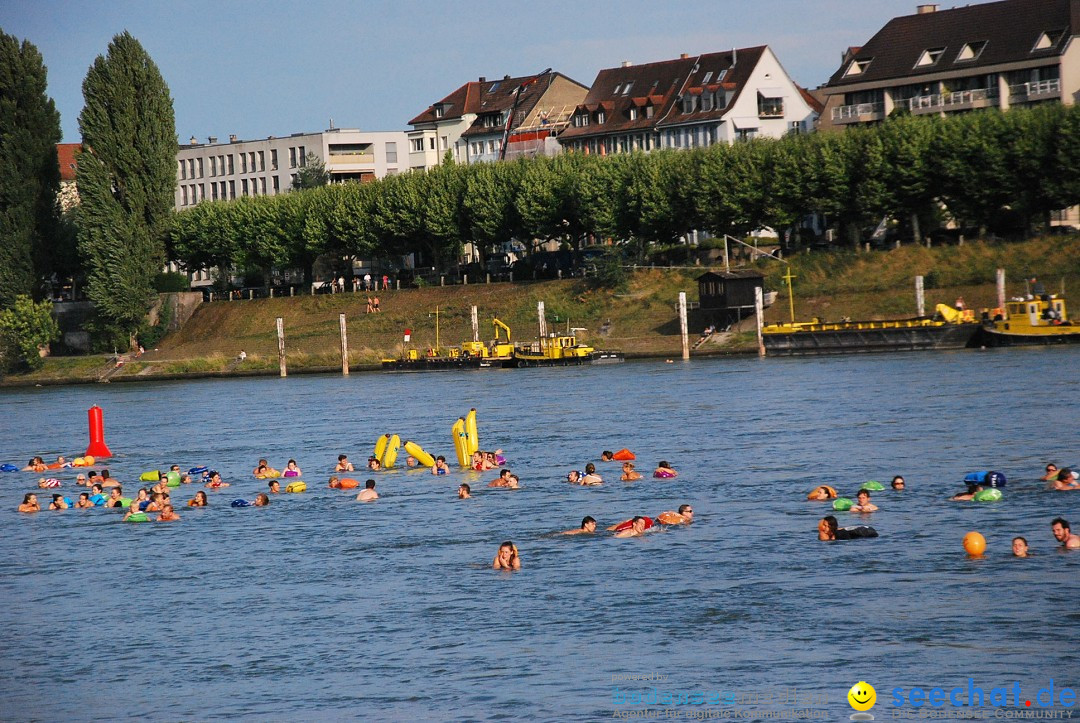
column 945, row 101
column 1036, row 89
column 857, row 110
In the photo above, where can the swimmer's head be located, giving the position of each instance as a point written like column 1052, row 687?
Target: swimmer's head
column 686, row 511
column 897, row 482
column 1019, row 547
column 588, row 523
column 590, row 468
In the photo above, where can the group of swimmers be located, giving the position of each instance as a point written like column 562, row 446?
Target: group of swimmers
column 1059, row 479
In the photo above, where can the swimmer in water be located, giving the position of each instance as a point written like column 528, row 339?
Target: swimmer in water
column 607, row 456
column 215, row 481
column 440, row 466
column 629, row 474
column 588, row 527
column 664, row 471
column 48, row 483
column 684, row 516
column 261, row 500
column 29, row 503
column 132, row 510
column 162, row 484
column 157, row 503
column 1063, row 534
column 822, row 492
column 343, row 464
column 863, row 503
column 1065, row 480
column 1019, row 547
column 58, row 503
column 968, row 496
column 275, row 486
column 291, row 470
column 410, row 462
column 81, row 480
column 573, row 477
column 829, row 530
column 185, row 479
column 503, row 480
column 1051, row 472
column 591, row 478
column 199, row 500
column 637, row 527
column 368, row 494
column 168, row 514
column 373, row 463
column 464, row 491
column 84, row 501
column 263, row 470
column 115, row 495
column 36, row 464
column 507, row 557
column 898, row 483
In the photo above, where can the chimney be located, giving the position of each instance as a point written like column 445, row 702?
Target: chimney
column 683, row 56
column 506, row 77
column 626, row 64
column 734, row 57
column 925, row 9
column 483, row 79
column 194, row 141
column 232, row 138
column 211, row 140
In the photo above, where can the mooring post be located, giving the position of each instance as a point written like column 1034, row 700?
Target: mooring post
column 920, row 298
column 475, row 325
column 344, row 346
column 759, row 314
column 1001, row 289
column 683, row 329
column 281, row 344
column 543, row 321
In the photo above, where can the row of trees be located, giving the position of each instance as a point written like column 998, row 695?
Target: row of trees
column 973, row 168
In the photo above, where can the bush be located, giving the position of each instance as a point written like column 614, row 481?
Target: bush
column 24, row 329
column 611, row 270
column 169, row 281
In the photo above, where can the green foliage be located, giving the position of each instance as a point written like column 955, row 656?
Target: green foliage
column 312, row 175
column 29, row 172
column 611, row 270
column 171, row 281
column 24, row 327
column 150, row 334
column 127, row 177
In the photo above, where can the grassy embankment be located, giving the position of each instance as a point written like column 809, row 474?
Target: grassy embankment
column 643, row 317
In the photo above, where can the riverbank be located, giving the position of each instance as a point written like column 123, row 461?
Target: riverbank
column 640, row 320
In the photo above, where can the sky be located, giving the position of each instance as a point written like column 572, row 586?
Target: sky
column 256, row 68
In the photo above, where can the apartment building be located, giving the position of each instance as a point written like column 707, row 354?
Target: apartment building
column 471, row 121
column 689, row 102
column 221, row 171
column 992, row 55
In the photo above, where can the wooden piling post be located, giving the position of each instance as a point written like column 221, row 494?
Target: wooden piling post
column 920, row 298
column 475, row 325
column 540, row 317
column 683, row 330
column 1001, row 289
column 344, row 346
column 281, row 345
column 759, row 315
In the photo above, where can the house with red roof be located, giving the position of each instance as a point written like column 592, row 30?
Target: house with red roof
column 68, row 156
column 690, row 102
column 471, row 122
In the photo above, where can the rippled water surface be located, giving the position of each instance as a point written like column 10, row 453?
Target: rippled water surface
column 319, row 607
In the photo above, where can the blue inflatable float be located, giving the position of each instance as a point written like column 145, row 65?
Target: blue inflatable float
column 986, row 479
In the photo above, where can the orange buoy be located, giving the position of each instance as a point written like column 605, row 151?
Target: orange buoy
column 974, row 544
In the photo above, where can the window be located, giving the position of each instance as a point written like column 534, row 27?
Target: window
column 262, row 185
column 858, row 67
column 1048, row 40
column 232, row 168
column 183, row 194
column 707, row 78
column 213, row 191
column 633, row 113
column 243, row 163
column 581, row 120
column 224, row 190
column 277, row 185
column 600, row 117
column 431, row 143
column 243, row 186
column 929, row 57
column 689, row 103
column 649, row 110
column 262, row 161
column 417, row 145
column 795, row 128
column 627, row 88
column 391, row 152
column 706, row 101
column 745, row 134
column 444, row 143
column 183, row 174
column 495, row 86
column 221, row 165
column 302, row 157
column 273, row 159
column 201, row 174
column 438, row 111
column 251, row 161
column 292, row 157
column 770, row 107
column 618, row 87
column 232, row 188
column 213, row 166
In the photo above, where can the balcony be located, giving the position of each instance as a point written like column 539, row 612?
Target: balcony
column 958, row 100
column 1039, row 90
column 858, row 113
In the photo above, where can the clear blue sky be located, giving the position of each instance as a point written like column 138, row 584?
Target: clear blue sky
column 272, row 67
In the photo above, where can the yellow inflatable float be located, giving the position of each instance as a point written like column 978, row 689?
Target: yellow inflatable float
column 470, row 430
column 461, row 442
column 421, row 456
column 296, row 487
column 380, row 446
column 390, row 451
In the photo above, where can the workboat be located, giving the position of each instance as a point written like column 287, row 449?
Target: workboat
column 553, row 351
column 1025, row 322
column 847, row 337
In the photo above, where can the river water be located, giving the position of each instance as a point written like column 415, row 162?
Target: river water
column 319, row 607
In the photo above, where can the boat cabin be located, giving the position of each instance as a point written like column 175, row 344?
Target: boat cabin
column 1045, row 311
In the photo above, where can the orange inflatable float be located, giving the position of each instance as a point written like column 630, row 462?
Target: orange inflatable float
column 630, row 523
column 345, row 483
column 669, row 518
column 623, row 455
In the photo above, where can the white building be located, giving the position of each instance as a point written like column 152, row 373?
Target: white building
column 221, row 171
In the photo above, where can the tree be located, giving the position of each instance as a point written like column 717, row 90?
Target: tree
column 312, row 175
column 29, row 171
column 127, row 178
column 24, row 328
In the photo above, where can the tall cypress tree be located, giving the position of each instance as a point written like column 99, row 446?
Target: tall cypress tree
column 127, row 178
column 29, row 171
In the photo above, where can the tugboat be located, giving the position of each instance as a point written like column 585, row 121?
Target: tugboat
column 1026, row 322
column 556, row 351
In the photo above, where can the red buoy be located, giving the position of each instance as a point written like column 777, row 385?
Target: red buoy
column 97, row 447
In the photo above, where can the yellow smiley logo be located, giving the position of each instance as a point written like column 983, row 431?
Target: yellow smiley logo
column 862, row 696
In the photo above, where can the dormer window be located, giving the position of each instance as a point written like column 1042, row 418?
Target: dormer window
column 633, row 113
column 706, row 101
column 439, row 111
column 600, row 117
column 1048, row 40
column 689, row 103
column 929, row 57
column 970, row 51
column 581, row 120
column 626, row 89
column 858, row 67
